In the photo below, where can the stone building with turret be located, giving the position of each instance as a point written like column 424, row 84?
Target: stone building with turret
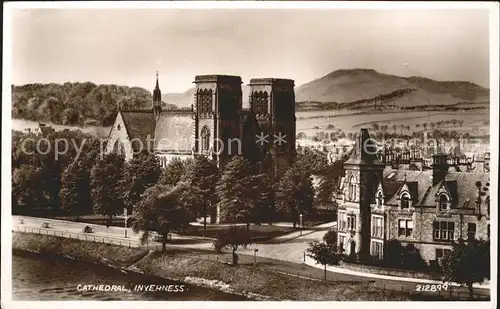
column 423, row 210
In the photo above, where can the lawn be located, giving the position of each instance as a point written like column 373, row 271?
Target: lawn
column 94, row 219
column 260, row 232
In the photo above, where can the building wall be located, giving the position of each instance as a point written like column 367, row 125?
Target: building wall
column 119, row 132
column 166, row 158
column 422, row 236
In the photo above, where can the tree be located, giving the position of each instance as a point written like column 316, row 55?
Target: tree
column 468, row 263
column 295, row 193
column 330, row 238
column 394, row 253
column 233, row 237
column 238, row 192
column 191, row 197
column 204, row 175
column 26, row 189
column 139, row 173
column 323, row 254
column 313, row 160
column 75, row 189
column 325, row 191
column 106, row 191
column 160, row 210
column 175, row 171
column 75, row 181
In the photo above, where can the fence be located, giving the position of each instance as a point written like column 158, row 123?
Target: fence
column 81, row 236
column 452, row 293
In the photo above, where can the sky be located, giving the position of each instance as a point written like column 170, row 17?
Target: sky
column 127, row 46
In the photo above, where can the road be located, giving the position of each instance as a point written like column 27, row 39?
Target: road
column 289, row 248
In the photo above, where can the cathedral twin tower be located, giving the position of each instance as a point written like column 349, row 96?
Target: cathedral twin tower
column 264, row 133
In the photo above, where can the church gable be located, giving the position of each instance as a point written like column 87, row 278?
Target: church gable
column 119, row 139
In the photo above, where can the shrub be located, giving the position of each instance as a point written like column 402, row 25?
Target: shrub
column 330, row 238
column 87, row 229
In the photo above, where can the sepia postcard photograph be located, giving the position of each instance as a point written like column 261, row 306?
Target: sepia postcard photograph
column 221, row 154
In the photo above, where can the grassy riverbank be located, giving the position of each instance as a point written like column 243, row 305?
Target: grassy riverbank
column 260, row 280
column 256, row 282
column 112, row 255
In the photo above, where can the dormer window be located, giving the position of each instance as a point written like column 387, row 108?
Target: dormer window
column 118, row 127
column 444, row 202
column 405, row 200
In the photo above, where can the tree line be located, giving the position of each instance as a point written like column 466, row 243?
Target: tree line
column 84, row 182
column 76, row 103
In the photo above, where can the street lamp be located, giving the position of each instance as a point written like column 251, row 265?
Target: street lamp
column 125, row 216
column 255, row 256
column 300, row 224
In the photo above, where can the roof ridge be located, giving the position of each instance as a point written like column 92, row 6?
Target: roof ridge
column 177, row 111
column 136, row 111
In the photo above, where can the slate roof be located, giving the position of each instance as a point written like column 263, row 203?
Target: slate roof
column 461, row 185
column 390, row 188
column 174, row 131
column 139, row 124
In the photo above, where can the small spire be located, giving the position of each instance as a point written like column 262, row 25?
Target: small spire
column 157, row 84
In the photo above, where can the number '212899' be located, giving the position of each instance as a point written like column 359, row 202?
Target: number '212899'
column 432, row 287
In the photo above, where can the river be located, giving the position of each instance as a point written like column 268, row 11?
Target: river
column 36, row 277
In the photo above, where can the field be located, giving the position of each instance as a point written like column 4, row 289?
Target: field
column 23, row 124
column 311, row 122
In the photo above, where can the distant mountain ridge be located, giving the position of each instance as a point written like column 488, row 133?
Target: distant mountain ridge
column 185, row 99
column 352, row 87
column 89, row 103
column 344, row 86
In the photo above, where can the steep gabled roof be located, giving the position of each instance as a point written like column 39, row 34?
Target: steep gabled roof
column 460, row 185
column 417, row 181
column 174, row 131
column 139, row 125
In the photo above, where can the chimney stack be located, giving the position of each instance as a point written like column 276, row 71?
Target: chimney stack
column 439, row 167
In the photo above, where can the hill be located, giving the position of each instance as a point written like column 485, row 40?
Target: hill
column 362, row 88
column 355, row 85
column 76, row 103
column 185, row 99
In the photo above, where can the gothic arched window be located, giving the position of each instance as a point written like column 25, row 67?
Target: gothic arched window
column 260, row 103
column 351, row 192
column 205, row 102
column 205, row 139
column 119, row 148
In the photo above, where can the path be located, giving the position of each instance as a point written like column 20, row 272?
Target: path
column 289, row 249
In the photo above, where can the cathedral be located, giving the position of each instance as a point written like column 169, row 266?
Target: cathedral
column 216, row 125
